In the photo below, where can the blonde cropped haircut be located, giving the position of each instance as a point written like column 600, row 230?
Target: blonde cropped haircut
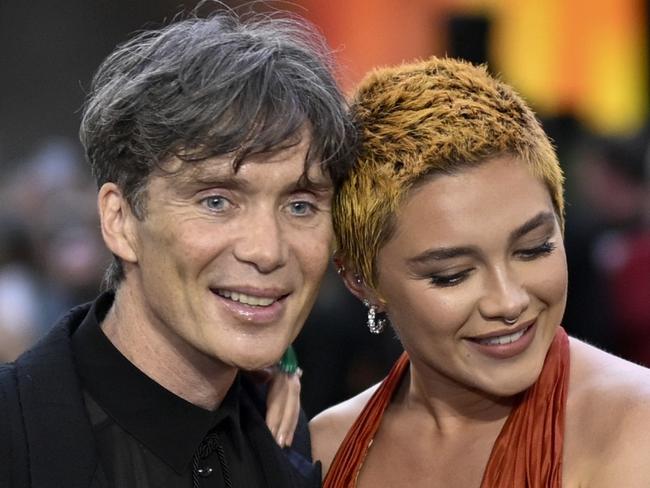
column 417, row 120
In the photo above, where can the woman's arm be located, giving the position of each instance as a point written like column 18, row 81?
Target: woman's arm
column 329, row 428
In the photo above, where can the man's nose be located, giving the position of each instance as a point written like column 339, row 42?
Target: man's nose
column 263, row 244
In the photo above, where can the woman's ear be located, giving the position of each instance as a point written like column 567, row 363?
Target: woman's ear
column 116, row 221
column 355, row 283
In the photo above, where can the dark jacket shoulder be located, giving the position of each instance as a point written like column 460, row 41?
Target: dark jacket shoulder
column 45, row 431
column 13, row 449
column 55, row 439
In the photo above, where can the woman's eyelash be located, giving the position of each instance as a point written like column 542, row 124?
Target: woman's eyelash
column 528, row 254
column 542, row 250
column 448, row 280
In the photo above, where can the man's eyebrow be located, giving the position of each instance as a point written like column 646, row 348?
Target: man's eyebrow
column 542, row 218
column 223, row 180
column 319, row 184
column 312, row 186
column 442, row 253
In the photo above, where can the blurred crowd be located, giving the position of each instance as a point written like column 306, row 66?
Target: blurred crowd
column 51, row 253
column 608, row 243
column 52, row 257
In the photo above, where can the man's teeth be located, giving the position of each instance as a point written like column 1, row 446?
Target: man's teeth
column 246, row 299
column 504, row 339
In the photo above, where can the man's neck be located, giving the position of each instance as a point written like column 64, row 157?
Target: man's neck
column 164, row 357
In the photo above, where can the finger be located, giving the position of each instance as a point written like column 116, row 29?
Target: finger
column 276, row 401
column 291, row 412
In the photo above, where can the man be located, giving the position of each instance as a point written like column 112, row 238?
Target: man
column 215, row 144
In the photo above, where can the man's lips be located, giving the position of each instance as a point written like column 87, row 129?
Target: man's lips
column 253, row 306
column 252, row 297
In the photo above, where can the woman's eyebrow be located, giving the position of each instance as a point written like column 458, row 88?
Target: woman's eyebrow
column 542, row 218
column 442, row 253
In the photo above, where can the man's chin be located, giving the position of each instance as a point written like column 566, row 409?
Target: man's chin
column 256, row 363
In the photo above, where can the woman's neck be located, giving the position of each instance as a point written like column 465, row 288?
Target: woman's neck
column 451, row 405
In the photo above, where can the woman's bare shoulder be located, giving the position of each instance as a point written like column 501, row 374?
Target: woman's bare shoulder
column 328, row 428
column 611, row 379
column 608, row 418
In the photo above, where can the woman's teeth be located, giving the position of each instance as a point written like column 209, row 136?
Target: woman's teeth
column 504, row 339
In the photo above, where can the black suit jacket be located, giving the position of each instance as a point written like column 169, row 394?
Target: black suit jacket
column 46, row 440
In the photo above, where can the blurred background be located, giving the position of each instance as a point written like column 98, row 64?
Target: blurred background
column 582, row 64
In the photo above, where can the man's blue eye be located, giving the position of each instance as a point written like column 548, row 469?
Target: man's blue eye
column 215, row 203
column 301, row 208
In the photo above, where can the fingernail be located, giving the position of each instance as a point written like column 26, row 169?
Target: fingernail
column 281, row 440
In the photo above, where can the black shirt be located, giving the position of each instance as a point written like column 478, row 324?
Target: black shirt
column 148, row 437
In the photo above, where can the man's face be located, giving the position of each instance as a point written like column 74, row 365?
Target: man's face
column 229, row 263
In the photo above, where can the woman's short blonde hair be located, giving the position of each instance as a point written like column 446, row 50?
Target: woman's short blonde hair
column 431, row 117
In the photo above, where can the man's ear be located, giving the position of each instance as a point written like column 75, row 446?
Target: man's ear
column 117, row 222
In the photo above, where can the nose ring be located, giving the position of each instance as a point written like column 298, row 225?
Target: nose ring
column 510, row 321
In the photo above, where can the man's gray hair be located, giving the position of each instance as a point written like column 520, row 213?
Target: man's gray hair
column 205, row 87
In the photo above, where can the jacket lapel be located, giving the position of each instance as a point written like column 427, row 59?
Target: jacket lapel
column 59, row 436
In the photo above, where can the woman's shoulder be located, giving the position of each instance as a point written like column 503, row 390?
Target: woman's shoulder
column 608, row 418
column 597, row 374
column 328, row 428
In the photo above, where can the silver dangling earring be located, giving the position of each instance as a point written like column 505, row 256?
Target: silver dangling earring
column 376, row 326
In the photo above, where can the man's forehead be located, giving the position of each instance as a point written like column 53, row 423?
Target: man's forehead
column 223, row 168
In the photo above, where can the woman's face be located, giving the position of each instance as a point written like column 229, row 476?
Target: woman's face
column 472, row 252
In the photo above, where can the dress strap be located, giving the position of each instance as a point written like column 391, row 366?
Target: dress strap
column 528, row 450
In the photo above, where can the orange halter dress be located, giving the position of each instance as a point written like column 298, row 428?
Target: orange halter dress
column 527, row 452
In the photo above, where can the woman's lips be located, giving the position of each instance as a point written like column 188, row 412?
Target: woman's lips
column 506, row 345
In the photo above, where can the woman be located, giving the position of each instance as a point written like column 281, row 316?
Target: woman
column 450, row 226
